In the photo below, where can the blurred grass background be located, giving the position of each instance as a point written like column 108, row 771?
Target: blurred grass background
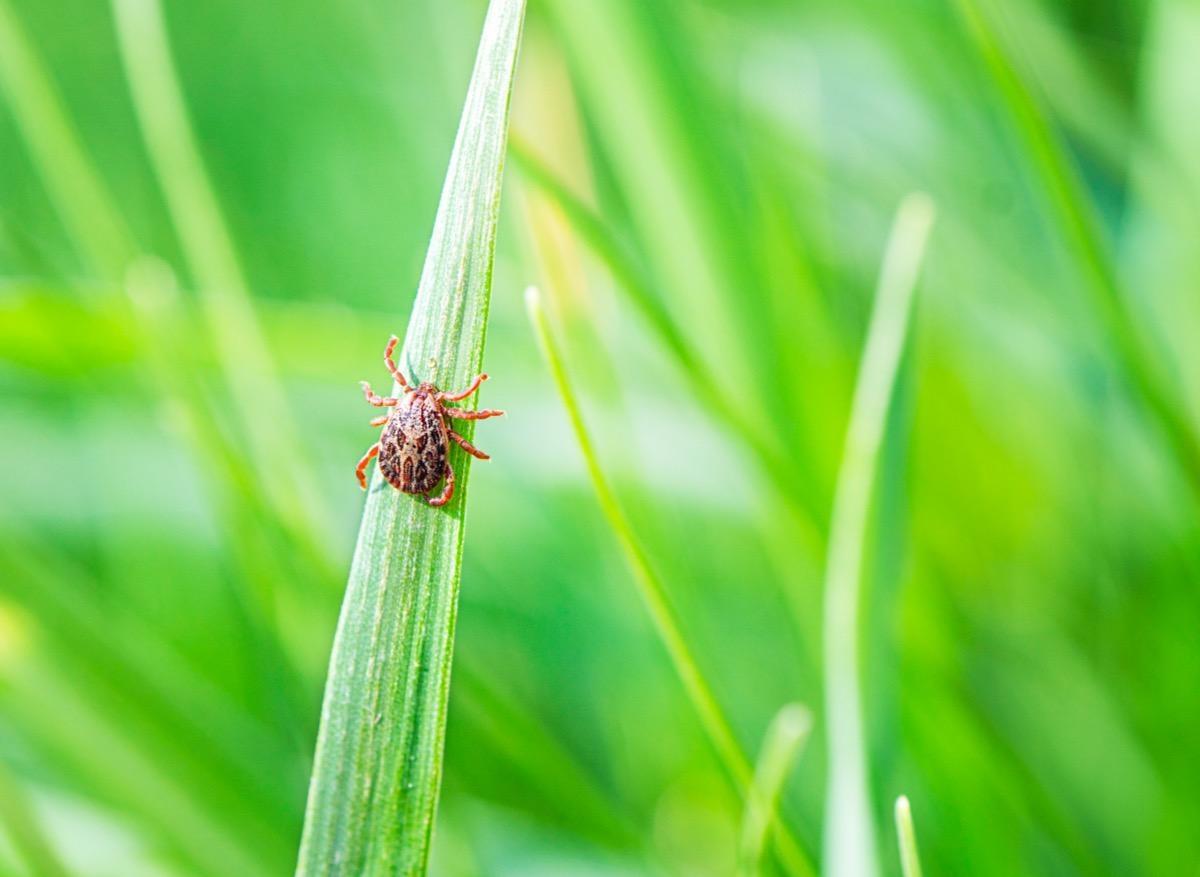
column 704, row 189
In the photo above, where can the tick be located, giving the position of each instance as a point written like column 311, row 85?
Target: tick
column 413, row 450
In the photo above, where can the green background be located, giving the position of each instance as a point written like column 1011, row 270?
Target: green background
column 1030, row 628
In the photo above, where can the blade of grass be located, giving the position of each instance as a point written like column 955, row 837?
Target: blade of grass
column 191, row 735
column 849, row 830
column 653, row 593
column 906, row 837
column 785, row 738
column 24, row 828
column 373, row 795
column 47, row 704
column 83, row 203
column 528, row 747
column 86, row 206
column 249, row 370
column 1081, row 229
column 784, row 475
column 156, row 308
column 78, row 194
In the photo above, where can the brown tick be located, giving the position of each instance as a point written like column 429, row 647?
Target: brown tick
column 416, row 437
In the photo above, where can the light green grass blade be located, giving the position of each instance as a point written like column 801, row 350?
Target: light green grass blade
column 653, row 592
column 249, row 370
column 24, row 829
column 782, row 745
column 1080, row 227
column 79, row 195
column 906, row 837
column 783, row 475
column 849, row 828
column 378, row 767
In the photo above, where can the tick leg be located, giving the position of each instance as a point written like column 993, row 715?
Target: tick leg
column 379, row 421
column 454, row 397
column 361, row 471
column 391, row 366
column 464, row 414
column 378, row 401
column 447, row 491
column 467, row 446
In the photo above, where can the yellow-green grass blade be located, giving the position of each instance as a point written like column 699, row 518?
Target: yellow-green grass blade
column 378, row 768
column 224, row 291
column 849, row 845
column 1081, row 229
column 784, row 741
column 784, row 470
column 79, row 195
column 906, row 837
column 653, row 592
column 24, row 828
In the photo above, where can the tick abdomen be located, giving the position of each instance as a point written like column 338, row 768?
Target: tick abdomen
column 412, row 449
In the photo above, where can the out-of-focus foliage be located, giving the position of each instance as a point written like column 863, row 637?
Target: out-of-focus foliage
column 703, row 189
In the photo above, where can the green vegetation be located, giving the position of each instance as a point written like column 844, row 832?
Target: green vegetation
column 212, row 215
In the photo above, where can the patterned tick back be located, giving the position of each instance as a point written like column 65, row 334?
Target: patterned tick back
column 413, row 450
column 413, row 447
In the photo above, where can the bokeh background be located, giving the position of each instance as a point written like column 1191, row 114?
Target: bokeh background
column 703, row 189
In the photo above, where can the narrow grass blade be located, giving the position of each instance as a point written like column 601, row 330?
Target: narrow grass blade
column 849, row 829
column 24, row 829
column 1081, row 229
column 652, row 591
column 784, row 475
column 782, row 745
column 241, row 349
column 79, row 195
column 87, row 208
column 374, row 789
column 906, row 837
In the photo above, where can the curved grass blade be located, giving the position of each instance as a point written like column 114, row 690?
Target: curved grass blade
column 24, row 829
column 79, row 195
column 784, row 476
column 1080, row 227
column 782, row 745
column 849, row 828
column 654, row 594
column 374, row 789
column 906, row 837
column 224, row 292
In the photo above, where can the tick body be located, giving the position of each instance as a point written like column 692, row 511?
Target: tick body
column 414, row 448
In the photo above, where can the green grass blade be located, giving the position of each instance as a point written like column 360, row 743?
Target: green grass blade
column 849, row 829
column 378, row 767
column 782, row 745
column 906, row 837
column 784, row 475
column 24, row 829
column 1080, row 227
column 651, row 589
column 75, row 187
column 247, row 364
